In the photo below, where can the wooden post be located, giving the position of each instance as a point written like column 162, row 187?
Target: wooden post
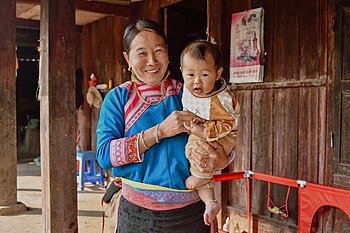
column 8, row 135
column 214, row 11
column 57, row 115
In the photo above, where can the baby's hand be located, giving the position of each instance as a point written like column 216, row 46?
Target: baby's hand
column 196, row 129
column 195, row 121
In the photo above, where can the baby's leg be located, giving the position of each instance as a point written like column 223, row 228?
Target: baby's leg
column 193, row 182
column 212, row 206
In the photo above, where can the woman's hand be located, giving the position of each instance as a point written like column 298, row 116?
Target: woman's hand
column 216, row 159
column 174, row 123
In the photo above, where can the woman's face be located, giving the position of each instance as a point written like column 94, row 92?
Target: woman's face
column 148, row 57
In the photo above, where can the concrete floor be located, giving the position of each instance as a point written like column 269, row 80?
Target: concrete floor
column 29, row 192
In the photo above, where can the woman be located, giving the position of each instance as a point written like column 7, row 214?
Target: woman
column 141, row 135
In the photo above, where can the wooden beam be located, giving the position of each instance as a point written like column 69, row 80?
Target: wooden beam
column 8, row 145
column 8, row 132
column 35, row 24
column 146, row 9
column 166, row 3
column 278, row 85
column 104, row 8
column 27, row 23
column 57, row 116
column 97, row 7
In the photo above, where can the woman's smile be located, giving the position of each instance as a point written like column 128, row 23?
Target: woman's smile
column 152, row 71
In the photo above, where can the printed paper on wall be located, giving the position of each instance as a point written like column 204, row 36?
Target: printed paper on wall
column 247, row 46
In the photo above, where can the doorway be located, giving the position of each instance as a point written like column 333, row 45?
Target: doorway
column 28, row 133
column 183, row 22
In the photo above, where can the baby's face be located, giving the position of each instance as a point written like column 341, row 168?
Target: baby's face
column 199, row 75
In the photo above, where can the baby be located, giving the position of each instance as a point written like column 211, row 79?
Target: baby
column 208, row 96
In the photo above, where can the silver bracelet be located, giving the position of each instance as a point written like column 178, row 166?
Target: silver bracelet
column 156, row 133
column 143, row 141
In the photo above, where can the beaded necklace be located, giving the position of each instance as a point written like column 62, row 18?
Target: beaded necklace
column 136, row 80
column 147, row 102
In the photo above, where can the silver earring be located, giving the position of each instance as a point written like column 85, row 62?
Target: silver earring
column 129, row 69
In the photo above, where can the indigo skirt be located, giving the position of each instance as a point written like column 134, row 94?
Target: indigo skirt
column 135, row 219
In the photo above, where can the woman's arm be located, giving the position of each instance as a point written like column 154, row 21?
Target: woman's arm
column 216, row 159
column 171, row 126
column 113, row 148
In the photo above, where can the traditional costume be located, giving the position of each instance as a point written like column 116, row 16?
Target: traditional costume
column 153, row 182
column 220, row 109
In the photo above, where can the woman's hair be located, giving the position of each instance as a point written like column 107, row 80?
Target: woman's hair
column 199, row 49
column 136, row 27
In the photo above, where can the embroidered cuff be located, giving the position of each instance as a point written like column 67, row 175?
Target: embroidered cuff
column 124, row 151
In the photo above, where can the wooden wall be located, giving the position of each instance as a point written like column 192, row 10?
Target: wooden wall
column 283, row 126
column 284, row 120
column 101, row 54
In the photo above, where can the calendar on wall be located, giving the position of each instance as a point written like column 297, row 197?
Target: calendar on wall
column 247, row 46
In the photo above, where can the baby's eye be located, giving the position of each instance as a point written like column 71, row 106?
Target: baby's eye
column 205, row 75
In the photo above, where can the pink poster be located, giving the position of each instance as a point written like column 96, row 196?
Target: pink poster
column 247, row 46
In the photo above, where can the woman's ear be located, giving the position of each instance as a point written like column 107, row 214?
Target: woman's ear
column 126, row 56
column 218, row 73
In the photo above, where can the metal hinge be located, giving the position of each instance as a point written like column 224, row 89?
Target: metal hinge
column 332, row 139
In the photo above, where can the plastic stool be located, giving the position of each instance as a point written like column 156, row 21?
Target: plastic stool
column 87, row 169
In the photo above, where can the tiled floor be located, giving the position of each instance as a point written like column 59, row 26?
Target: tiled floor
column 29, row 192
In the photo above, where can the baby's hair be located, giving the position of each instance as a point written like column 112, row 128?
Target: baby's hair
column 199, row 49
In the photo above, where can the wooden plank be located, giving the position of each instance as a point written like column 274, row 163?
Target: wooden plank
column 281, row 84
column 330, row 72
column 341, row 96
column 285, row 153
column 166, row 3
column 104, row 8
column 35, row 24
column 239, row 223
column 323, row 143
column 243, row 150
column 102, row 49
column 344, row 157
column 57, row 116
column 341, row 222
column 262, row 145
column 345, row 45
column 308, row 134
column 324, row 32
column 310, row 52
column 84, row 115
column 27, row 23
column 120, row 73
column 214, row 22
column 98, row 7
column 146, row 9
column 114, row 51
column 8, row 133
column 286, row 41
column 269, row 15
